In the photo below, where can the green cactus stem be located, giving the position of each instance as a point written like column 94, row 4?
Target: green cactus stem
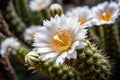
column 91, row 64
column 16, row 25
column 92, row 36
column 61, row 72
column 23, row 11
column 111, row 41
column 37, row 18
column 118, row 26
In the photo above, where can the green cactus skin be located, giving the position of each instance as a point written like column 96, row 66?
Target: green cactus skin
column 61, row 72
column 111, row 41
column 23, row 11
column 93, row 36
column 98, row 31
column 118, row 26
column 16, row 25
column 37, row 18
column 22, row 51
column 91, row 64
column 95, row 33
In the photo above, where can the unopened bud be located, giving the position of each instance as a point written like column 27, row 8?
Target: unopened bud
column 31, row 58
column 56, row 9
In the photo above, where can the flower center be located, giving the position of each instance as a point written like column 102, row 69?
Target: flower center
column 61, row 40
column 32, row 35
column 40, row 4
column 106, row 16
column 81, row 21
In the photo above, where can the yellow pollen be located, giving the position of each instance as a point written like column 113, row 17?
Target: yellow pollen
column 61, row 40
column 105, row 16
column 81, row 21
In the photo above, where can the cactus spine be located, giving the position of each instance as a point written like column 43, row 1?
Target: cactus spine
column 91, row 64
column 111, row 40
column 62, row 72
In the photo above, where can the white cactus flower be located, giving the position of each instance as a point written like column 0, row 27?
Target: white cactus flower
column 30, row 32
column 59, row 38
column 37, row 5
column 83, row 14
column 105, row 13
column 9, row 45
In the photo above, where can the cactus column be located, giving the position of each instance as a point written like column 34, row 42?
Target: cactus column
column 91, row 64
column 111, row 41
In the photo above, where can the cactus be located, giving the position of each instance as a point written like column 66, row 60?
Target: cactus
column 62, row 72
column 111, row 40
column 17, row 26
column 118, row 26
column 23, row 11
column 93, row 36
column 91, row 64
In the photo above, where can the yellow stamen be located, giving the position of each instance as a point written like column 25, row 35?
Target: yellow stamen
column 106, row 16
column 56, row 37
column 81, row 21
column 61, row 40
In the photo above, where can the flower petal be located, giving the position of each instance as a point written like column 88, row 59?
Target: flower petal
column 43, row 50
column 60, row 59
column 73, row 55
column 48, row 56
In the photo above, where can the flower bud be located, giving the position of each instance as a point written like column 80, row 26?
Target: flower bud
column 31, row 58
column 56, row 9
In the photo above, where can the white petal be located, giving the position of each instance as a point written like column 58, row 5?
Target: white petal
column 76, row 43
column 41, row 45
column 81, row 34
column 43, row 50
column 73, row 55
column 41, row 38
column 48, row 56
column 60, row 59
column 81, row 45
column 52, row 23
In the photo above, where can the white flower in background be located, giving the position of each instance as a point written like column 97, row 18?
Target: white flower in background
column 105, row 13
column 30, row 32
column 37, row 5
column 59, row 38
column 9, row 45
column 83, row 14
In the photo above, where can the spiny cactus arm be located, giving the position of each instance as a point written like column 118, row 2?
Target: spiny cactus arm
column 98, row 31
column 16, row 25
column 61, row 72
column 93, row 36
column 111, row 40
column 23, row 10
column 91, row 64
column 37, row 18
column 118, row 26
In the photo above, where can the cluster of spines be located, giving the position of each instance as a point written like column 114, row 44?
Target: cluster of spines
column 111, row 41
column 61, row 72
column 91, row 64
